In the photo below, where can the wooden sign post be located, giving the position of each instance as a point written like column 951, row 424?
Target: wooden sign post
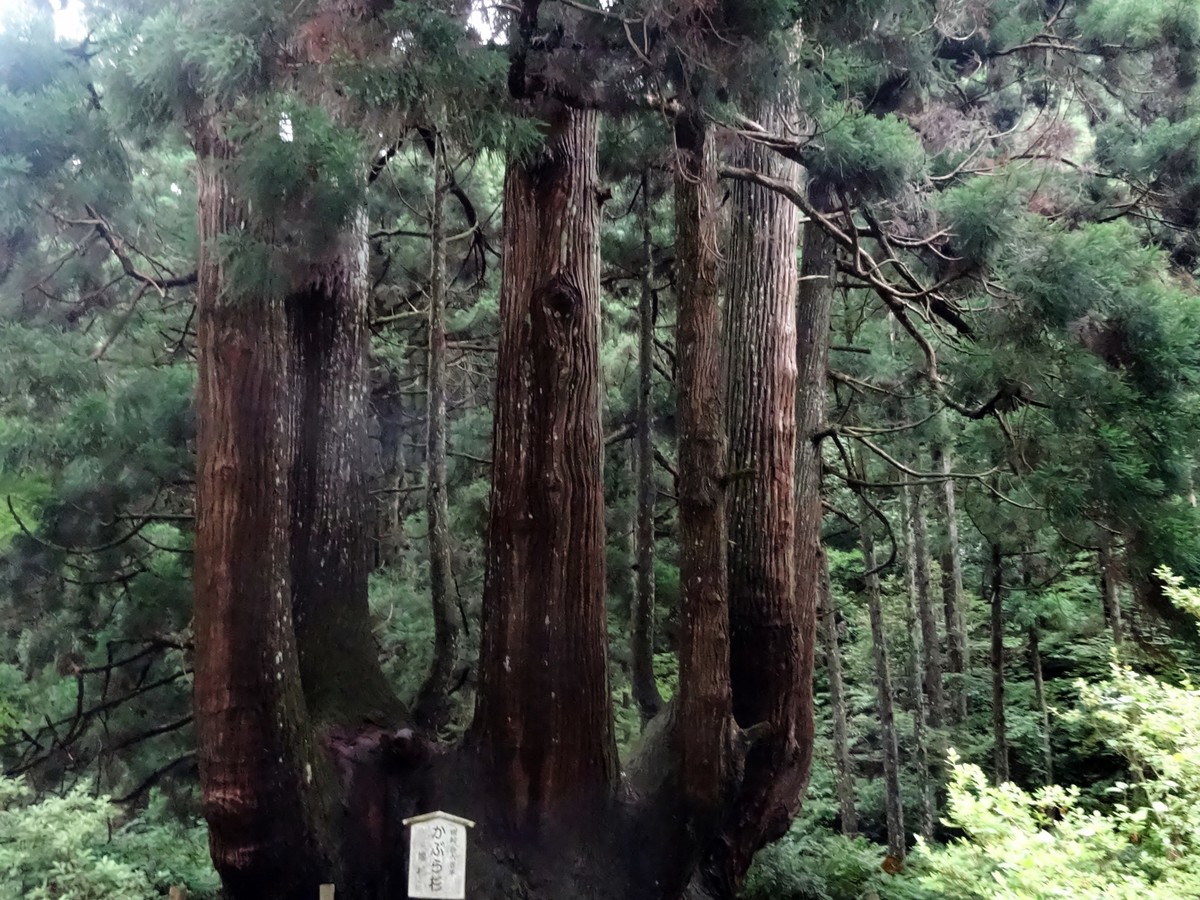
column 437, row 856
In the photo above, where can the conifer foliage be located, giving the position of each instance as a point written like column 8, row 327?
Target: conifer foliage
column 489, row 407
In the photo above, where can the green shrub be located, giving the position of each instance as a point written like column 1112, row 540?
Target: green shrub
column 67, row 848
column 816, row 864
column 1135, row 840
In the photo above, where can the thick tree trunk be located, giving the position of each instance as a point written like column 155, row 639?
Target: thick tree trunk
column 330, row 502
column 952, row 588
column 645, row 685
column 1039, row 694
column 767, row 663
column 893, row 798
column 999, row 725
column 779, row 665
column 837, row 705
column 761, row 347
column 704, row 727
column 543, row 725
column 914, row 670
column 356, row 715
column 287, row 677
column 267, row 822
column 432, row 709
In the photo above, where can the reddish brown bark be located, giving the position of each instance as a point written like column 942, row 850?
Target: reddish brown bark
column 780, row 720
column 761, row 342
column 543, row 722
column 257, row 761
column 813, row 314
column 286, row 665
column 704, row 707
column 770, row 664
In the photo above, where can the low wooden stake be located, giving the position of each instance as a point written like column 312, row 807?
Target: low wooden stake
column 326, row 892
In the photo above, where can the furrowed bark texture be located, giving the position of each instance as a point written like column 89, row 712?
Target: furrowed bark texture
column 432, row 708
column 999, row 726
column 543, row 722
column 266, row 822
column 285, row 657
column 813, row 311
column 704, row 719
column 893, row 799
column 952, row 587
column 331, row 507
column 761, row 342
column 778, row 759
column 767, row 660
column 645, row 686
column 331, row 511
column 837, row 705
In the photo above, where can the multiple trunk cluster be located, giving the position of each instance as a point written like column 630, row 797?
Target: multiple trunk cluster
column 308, row 762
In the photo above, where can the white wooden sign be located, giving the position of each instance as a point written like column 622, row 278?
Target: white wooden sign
column 437, row 856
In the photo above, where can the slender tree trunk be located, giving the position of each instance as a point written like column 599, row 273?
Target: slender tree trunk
column 704, row 727
column 931, row 653
column 1109, row 585
column 766, row 664
column 952, row 588
column 267, row 824
column 837, row 704
column 544, row 720
column 388, row 403
column 645, row 685
column 1039, row 693
column 914, row 670
column 893, row 798
column 999, row 727
column 432, row 708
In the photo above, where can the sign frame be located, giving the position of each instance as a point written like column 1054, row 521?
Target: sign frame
column 437, row 856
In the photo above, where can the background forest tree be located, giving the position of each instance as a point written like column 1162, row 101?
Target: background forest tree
column 517, row 409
